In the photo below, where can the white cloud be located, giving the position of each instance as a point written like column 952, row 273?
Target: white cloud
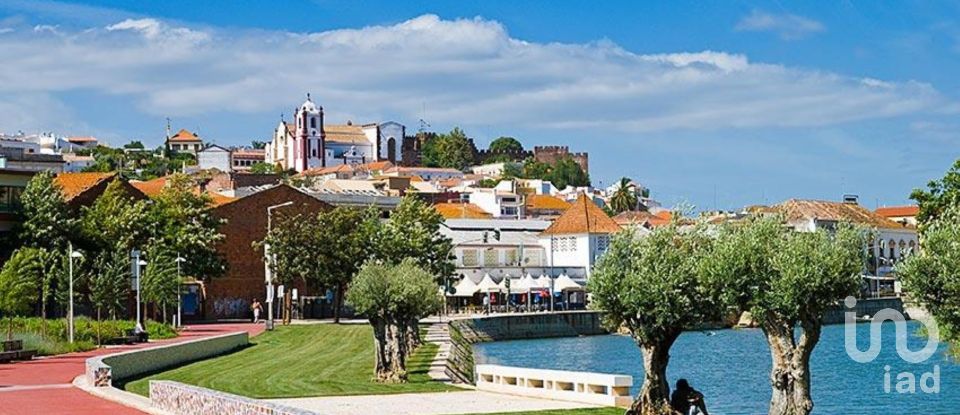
column 466, row 71
column 787, row 26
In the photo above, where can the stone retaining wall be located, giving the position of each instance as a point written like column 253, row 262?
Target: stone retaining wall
column 865, row 307
column 464, row 333
column 180, row 399
column 105, row 370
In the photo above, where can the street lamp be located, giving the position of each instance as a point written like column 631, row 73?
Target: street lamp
column 140, row 263
column 266, row 263
column 73, row 254
column 179, row 260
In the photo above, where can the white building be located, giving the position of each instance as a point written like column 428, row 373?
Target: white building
column 499, row 203
column 429, row 174
column 75, row 164
column 893, row 241
column 479, row 252
column 214, row 157
column 579, row 237
column 184, row 141
column 309, row 142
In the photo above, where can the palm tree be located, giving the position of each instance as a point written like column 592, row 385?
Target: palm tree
column 625, row 197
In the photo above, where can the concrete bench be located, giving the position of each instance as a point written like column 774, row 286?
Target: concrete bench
column 587, row 387
column 13, row 350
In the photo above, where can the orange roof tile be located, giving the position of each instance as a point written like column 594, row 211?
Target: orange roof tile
column 217, row 199
column 898, row 211
column 82, row 139
column 836, row 211
column 74, row 184
column 583, row 217
column 184, row 135
column 545, row 202
column 344, row 133
column 375, row 166
column 151, row 188
column 319, row 171
column 642, row 218
column 461, row 211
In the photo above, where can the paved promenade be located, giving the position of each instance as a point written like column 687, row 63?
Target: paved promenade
column 43, row 386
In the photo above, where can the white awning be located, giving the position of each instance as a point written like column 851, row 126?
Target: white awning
column 543, row 282
column 465, row 288
column 487, row 285
column 564, row 283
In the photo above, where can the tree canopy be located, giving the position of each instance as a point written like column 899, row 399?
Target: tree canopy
column 940, row 195
column 625, row 197
column 413, row 231
column 451, row 150
column 506, row 145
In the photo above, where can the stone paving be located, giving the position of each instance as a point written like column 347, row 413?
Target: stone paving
column 465, row 402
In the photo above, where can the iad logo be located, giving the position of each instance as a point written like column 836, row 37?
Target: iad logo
column 906, row 381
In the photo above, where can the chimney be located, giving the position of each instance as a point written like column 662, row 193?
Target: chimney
column 851, row 199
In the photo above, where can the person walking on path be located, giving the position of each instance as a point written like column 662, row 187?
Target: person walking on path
column 256, row 307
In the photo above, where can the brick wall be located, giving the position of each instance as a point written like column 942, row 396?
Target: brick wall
column 229, row 296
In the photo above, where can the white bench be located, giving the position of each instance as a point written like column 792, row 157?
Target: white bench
column 595, row 388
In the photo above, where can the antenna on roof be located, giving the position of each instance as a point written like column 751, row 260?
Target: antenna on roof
column 423, row 114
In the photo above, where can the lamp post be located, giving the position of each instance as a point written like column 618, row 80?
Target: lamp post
column 179, row 260
column 73, row 254
column 140, row 263
column 266, row 264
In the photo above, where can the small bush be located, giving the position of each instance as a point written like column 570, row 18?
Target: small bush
column 50, row 346
column 85, row 329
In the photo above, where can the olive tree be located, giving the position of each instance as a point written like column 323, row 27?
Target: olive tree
column 930, row 276
column 786, row 280
column 390, row 296
column 650, row 285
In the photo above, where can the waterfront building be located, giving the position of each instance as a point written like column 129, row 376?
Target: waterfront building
column 579, row 237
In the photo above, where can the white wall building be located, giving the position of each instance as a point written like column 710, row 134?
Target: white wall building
column 214, row 157
column 309, row 142
column 499, row 203
column 578, row 237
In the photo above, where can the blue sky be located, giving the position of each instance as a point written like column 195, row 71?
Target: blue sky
column 719, row 104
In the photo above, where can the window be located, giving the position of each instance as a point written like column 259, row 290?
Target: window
column 10, row 198
column 470, row 258
column 491, row 258
column 511, row 256
column 313, row 123
column 893, row 248
column 603, row 242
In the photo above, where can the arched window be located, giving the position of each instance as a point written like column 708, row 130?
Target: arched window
column 313, row 122
column 392, row 149
column 903, row 248
column 893, row 248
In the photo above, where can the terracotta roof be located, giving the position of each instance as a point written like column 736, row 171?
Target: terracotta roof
column 461, row 211
column 375, row 166
column 794, row 209
column 184, row 135
column 151, row 188
column 320, row 171
column 583, row 217
column 74, row 184
column 898, row 211
column 344, row 133
column 217, row 199
column 545, row 202
column 642, row 218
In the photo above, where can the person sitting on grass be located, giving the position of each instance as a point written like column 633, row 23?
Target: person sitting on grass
column 687, row 400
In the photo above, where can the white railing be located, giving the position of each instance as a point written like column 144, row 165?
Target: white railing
column 595, row 388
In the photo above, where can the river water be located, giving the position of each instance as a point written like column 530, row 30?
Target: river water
column 731, row 367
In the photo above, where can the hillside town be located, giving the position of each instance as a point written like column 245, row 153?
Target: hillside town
column 479, row 208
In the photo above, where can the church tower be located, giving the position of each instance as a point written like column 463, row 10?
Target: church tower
column 309, row 139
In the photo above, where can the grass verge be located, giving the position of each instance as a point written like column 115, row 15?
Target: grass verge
column 298, row 361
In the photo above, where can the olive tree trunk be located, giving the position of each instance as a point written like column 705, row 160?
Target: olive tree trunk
column 383, row 366
column 337, row 304
column 790, row 374
column 399, row 340
column 413, row 336
column 654, row 396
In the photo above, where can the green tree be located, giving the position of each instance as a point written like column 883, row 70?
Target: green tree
column 289, row 261
column 413, row 231
column 109, row 284
column 115, row 220
column 258, row 145
column 625, row 197
column 566, row 172
column 939, row 196
column 181, row 223
column 19, row 284
column 160, row 282
column 262, row 168
column 786, row 280
column 47, row 221
column 339, row 246
column 452, row 150
column 651, row 286
column 506, row 145
column 135, row 144
column 390, row 296
column 930, row 275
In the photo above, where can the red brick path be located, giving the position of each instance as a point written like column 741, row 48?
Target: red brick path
column 43, row 386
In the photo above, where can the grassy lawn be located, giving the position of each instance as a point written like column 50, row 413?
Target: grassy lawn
column 585, row 411
column 297, row 361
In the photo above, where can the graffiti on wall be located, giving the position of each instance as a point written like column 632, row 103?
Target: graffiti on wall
column 231, row 307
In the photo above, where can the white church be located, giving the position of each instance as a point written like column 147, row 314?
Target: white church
column 309, row 142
